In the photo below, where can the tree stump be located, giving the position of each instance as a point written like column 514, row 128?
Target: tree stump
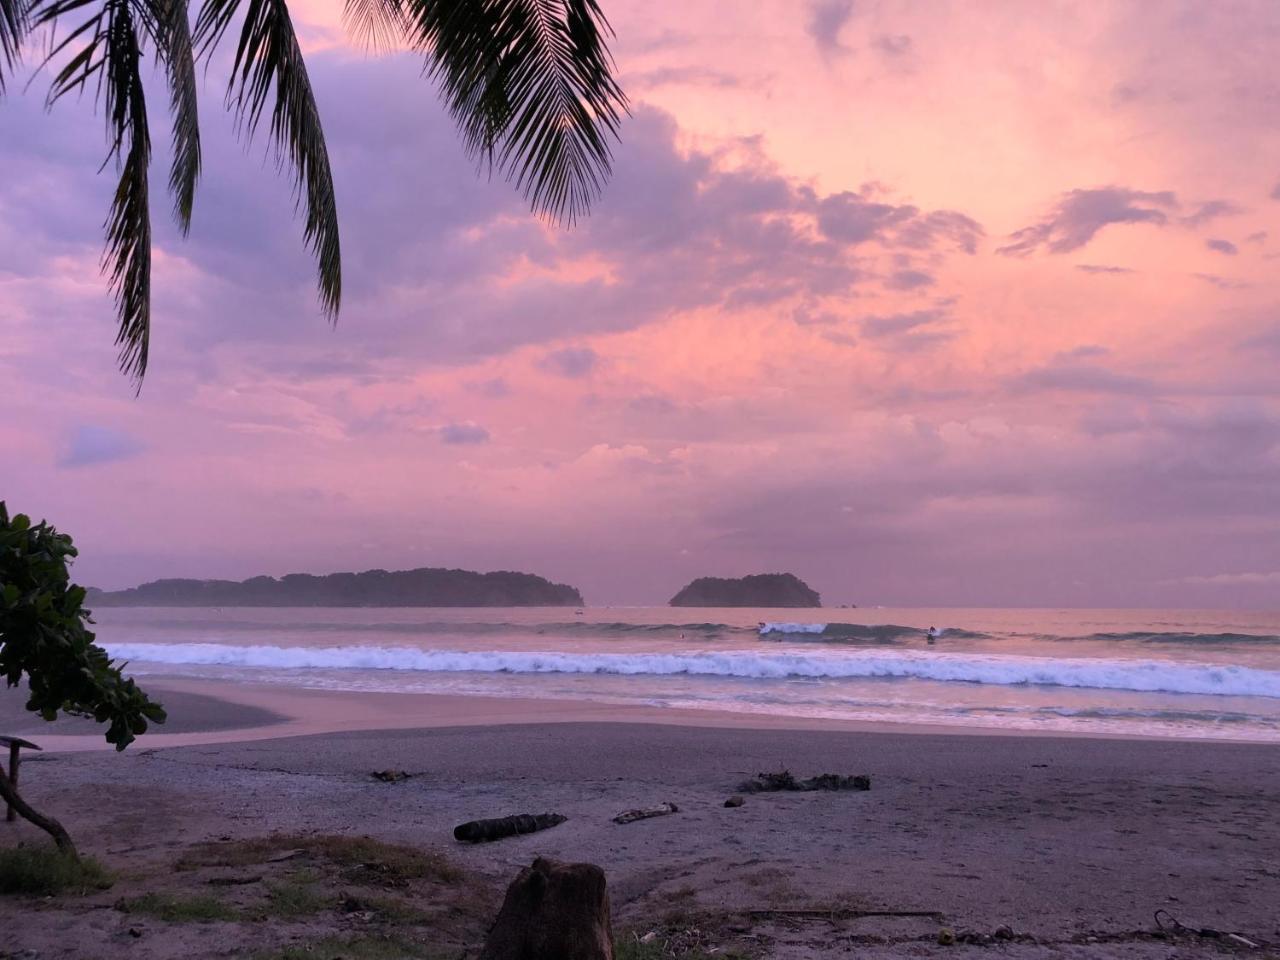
column 553, row 911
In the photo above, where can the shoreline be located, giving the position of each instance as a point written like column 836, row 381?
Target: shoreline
column 209, row 712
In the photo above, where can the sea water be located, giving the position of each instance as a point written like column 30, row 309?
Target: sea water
column 1199, row 674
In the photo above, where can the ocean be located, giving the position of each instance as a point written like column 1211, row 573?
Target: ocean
column 1198, row 674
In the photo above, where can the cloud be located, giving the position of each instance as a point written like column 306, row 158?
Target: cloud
column 855, row 218
column 893, row 45
column 464, row 433
column 1235, row 579
column 1067, row 374
column 1222, row 246
column 1222, row 283
column 1095, row 268
column 1209, row 211
column 1275, row 191
column 690, row 76
column 826, row 19
column 908, row 331
column 91, row 444
column 572, row 362
column 1258, row 236
column 1080, row 214
column 909, row 280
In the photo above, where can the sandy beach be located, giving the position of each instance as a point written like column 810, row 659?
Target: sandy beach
column 1072, row 844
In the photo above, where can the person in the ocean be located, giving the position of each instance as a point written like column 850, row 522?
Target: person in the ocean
column 932, row 634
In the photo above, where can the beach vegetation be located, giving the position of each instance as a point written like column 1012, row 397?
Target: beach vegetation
column 201, row 908
column 44, row 870
column 45, row 639
column 360, row 858
column 529, row 83
column 295, row 898
column 358, row 948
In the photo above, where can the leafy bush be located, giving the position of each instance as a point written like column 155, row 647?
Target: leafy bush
column 43, row 636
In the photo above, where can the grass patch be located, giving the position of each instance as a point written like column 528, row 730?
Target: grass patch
column 360, row 856
column 198, row 909
column 295, row 899
column 45, row 870
column 360, row 948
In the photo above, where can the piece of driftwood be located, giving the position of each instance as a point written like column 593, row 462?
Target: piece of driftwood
column 483, row 831
column 785, row 780
column 644, row 813
column 553, row 911
column 390, row 776
column 735, row 801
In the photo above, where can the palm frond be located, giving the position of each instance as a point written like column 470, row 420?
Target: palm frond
column 531, row 86
column 13, row 29
column 268, row 57
column 108, row 53
column 166, row 21
column 376, row 24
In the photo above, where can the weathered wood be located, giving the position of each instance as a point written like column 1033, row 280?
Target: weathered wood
column 553, row 911
column 484, row 831
column 47, row 824
column 16, row 745
column 644, row 813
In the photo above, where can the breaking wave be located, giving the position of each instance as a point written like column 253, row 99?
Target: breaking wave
column 1096, row 673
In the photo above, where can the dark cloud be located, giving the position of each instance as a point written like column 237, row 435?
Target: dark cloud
column 854, row 218
column 909, row 331
column 1080, row 214
column 892, row 44
column 91, row 444
column 464, row 433
column 1275, row 191
column 573, row 362
column 1068, row 374
column 1222, row 283
column 909, row 280
column 826, row 19
column 693, row 76
column 1222, row 246
column 1096, row 269
column 1210, row 211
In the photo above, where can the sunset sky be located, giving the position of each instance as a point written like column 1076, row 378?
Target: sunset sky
column 929, row 303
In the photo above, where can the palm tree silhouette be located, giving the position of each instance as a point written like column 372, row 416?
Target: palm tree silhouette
column 529, row 83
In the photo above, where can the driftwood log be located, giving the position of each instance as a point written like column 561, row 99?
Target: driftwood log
column 483, row 831
column 784, row 780
column 644, row 813
column 553, row 911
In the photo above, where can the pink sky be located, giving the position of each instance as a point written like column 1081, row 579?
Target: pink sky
column 929, row 303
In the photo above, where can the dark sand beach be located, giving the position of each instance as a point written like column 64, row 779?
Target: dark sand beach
column 1072, row 844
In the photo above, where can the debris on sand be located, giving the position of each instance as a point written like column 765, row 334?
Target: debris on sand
column 784, row 780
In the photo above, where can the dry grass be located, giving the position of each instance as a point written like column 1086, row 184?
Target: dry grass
column 362, row 859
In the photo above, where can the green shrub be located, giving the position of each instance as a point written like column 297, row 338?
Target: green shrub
column 44, row 870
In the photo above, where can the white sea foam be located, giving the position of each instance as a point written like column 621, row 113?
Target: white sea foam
column 791, row 628
column 1096, row 673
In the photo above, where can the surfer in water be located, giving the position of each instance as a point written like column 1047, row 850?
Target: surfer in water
column 933, row 634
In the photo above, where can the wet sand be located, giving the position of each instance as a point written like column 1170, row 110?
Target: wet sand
column 1074, row 842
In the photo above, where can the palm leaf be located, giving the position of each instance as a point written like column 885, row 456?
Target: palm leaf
column 530, row 85
column 107, row 51
column 377, row 24
column 13, row 29
column 268, row 57
column 166, row 22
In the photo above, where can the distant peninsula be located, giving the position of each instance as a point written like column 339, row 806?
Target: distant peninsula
column 760, row 590
column 425, row 587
